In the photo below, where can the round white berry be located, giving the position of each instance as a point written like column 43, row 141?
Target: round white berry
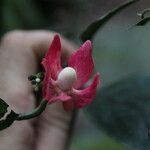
column 66, row 78
column 38, row 80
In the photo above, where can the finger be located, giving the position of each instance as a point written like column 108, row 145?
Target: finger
column 28, row 47
column 54, row 128
column 40, row 41
column 67, row 46
column 16, row 90
column 23, row 49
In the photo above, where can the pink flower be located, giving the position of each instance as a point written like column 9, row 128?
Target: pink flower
column 65, row 84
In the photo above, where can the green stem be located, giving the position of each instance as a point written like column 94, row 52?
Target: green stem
column 34, row 113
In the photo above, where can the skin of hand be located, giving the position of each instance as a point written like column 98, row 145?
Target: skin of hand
column 20, row 55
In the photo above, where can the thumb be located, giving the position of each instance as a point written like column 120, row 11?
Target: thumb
column 55, row 128
column 22, row 49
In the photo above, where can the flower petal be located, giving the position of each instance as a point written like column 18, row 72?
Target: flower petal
column 82, row 62
column 52, row 60
column 62, row 97
column 68, row 105
column 48, row 89
column 52, row 67
column 84, row 97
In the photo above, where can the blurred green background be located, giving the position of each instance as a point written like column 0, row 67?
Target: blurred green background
column 119, row 50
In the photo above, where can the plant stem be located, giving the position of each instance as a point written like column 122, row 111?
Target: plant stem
column 36, row 112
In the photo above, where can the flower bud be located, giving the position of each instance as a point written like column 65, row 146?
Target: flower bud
column 66, row 78
column 38, row 80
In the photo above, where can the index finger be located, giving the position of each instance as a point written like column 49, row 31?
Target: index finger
column 27, row 46
column 39, row 41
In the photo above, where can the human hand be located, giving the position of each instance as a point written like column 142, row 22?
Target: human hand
column 20, row 56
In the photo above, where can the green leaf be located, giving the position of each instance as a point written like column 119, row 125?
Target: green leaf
column 122, row 110
column 7, row 116
column 3, row 108
column 90, row 31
